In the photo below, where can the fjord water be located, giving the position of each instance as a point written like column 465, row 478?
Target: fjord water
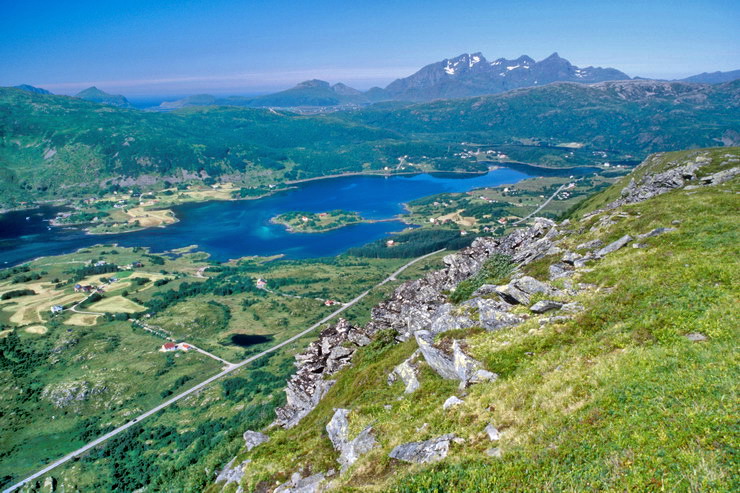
column 233, row 229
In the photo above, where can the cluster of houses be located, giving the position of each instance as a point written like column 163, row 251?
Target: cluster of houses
column 172, row 346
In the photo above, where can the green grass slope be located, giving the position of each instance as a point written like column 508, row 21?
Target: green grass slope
column 615, row 399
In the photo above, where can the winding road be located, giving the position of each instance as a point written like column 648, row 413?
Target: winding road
column 229, row 369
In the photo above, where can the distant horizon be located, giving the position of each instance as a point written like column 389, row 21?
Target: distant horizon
column 114, row 87
column 142, row 49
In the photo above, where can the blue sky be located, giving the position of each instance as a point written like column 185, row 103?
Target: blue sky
column 237, row 47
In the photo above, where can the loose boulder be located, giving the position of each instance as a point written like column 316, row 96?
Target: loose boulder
column 408, row 373
column 349, row 450
column 254, row 438
column 433, row 450
column 614, row 246
column 452, row 401
column 545, row 306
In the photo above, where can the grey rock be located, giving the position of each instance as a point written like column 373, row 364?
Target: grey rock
column 483, row 376
column 614, row 246
column 298, row 484
column 358, row 337
column 655, row 232
column 330, row 353
column 696, row 337
column 408, row 373
column 492, row 432
column 511, row 294
column 413, row 305
column 338, row 428
column 452, row 401
column 485, row 289
column 254, row 438
column 545, row 305
column 590, row 245
column 651, row 185
column 721, row 176
column 582, row 262
column 571, row 307
column 450, row 317
column 531, row 286
column 571, row 257
column 494, row 452
column 349, row 450
column 437, row 359
column 465, row 366
column 232, row 473
column 560, row 270
column 425, row 452
column 457, row 366
column 493, row 314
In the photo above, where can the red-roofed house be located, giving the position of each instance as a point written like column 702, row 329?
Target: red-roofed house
column 169, row 346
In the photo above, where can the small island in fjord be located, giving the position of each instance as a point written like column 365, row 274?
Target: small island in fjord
column 316, row 222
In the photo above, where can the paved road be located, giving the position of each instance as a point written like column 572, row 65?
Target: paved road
column 229, row 369
column 541, row 206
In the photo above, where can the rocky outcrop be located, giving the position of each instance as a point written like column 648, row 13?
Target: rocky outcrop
column 64, row 394
column 416, row 305
column 299, row 484
column 349, row 450
column 254, row 438
column 519, row 291
column 232, row 473
column 408, row 373
column 330, row 353
column 433, row 450
column 454, row 366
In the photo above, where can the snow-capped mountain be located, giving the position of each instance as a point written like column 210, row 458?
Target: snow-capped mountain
column 472, row 75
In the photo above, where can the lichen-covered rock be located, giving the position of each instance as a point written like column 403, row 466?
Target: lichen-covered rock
column 450, row 317
column 254, row 438
column 349, row 450
column 232, row 473
column 414, row 304
column 433, row 450
column 66, row 393
column 590, row 245
column 492, row 432
column 438, row 360
column 408, row 373
column 299, row 484
column 492, row 314
column 655, row 232
column 614, row 246
column 455, row 366
column 559, row 270
column 452, row 401
column 545, row 305
column 330, row 353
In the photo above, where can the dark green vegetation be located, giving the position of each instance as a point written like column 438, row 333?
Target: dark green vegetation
column 414, row 243
column 55, row 146
column 616, row 398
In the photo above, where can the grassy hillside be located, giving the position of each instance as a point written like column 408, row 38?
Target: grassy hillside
column 616, row 397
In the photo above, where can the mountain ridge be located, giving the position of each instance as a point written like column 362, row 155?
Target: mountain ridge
column 95, row 95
